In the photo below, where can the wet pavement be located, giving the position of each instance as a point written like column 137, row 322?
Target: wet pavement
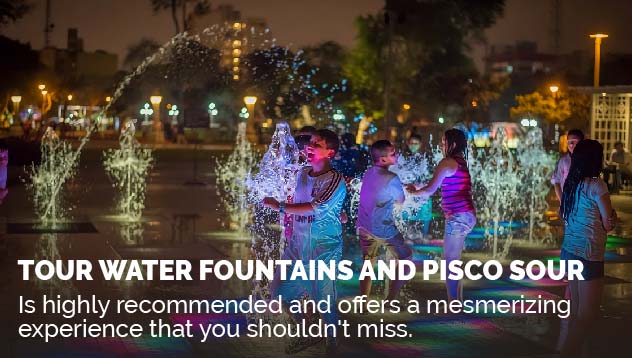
column 183, row 220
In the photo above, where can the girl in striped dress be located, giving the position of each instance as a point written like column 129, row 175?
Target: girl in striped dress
column 453, row 176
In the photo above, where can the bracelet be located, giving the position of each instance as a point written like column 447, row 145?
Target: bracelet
column 282, row 207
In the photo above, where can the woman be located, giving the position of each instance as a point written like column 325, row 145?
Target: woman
column 453, row 176
column 588, row 213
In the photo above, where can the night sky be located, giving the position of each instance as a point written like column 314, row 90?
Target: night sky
column 116, row 24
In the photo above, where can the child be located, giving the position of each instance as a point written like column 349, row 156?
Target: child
column 381, row 189
column 588, row 213
column 453, row 176
column 317, row 232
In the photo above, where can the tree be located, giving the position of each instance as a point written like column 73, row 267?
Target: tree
column 12, row 10
column 138, row 52
column 417, row 52
column 546, row 107
column 200, row 7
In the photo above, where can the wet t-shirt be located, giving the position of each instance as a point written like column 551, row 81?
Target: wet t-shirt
column 317, row 236
column 584, row 234
column 380, row 190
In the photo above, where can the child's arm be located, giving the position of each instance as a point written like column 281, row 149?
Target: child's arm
column 447, row 167
column 290, row 208
column 608, row 215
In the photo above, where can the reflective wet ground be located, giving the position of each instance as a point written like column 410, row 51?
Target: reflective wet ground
column 183, row 220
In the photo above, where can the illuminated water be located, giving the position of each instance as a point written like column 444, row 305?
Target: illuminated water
column 128, row 168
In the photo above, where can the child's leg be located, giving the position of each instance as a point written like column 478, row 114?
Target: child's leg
column 369, row 246
column 587, row 297
column 456, row 229
column 400, row 251
column 326, row 289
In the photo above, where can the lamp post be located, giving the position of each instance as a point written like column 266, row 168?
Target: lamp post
column 16, row 103
column 146, row 111
column 597, row 38
column 157, row 130
column 174, row 112
column 252, row 127
column 212, row 112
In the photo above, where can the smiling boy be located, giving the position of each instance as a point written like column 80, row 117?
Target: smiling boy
column 317, row 232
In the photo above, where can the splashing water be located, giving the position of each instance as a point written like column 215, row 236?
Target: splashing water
column 58, row 165
column 277, row 170
column 536, row 166
column 128, row 167
column 496, row 180
column 231, row 180
column 412, row 169
column 276, row 178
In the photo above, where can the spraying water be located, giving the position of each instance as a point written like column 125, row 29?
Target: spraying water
column 231, row 180
column 536, row 166
column 58, row 165
column 128, row 168
column 495, row 181
column 276, row 178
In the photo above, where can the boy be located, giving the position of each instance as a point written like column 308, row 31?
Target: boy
column 317, row 232
column 381, row 189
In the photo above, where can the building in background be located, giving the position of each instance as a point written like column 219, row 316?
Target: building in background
column 76, row 65
column 244, row 35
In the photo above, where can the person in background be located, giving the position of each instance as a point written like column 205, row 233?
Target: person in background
column 4, row 162
column 346, row 160
column 588, row 214
column 564, row 163
column 619, row 164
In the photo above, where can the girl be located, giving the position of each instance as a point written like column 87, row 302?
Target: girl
column 453, row 176
column 588, row 213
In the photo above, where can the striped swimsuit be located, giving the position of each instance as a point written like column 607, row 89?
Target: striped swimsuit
column 456, row 190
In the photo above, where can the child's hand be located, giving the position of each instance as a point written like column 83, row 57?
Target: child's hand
column 343, row 217
column 271, row 203
column 411, row 188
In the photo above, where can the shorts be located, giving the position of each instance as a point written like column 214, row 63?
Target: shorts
column 459, row 225
column 592, row 269
column 371, row 245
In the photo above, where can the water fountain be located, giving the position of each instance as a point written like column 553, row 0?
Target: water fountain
column 58, row 165
column 276, row 178
column 232, row 174
column 128, row 168
column 496, row 180
column 536, row 167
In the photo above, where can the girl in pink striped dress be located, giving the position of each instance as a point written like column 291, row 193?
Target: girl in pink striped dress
column 453, row 176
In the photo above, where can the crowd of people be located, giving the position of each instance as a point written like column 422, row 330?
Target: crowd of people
column 317, row 211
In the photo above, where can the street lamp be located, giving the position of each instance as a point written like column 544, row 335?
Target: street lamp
column 16, row 103
column 108, row 99
column 146, row 111
column 250, row 104
column 554, row 89
column 69, row 97
column 597, row 38
column 174, row 112
column 212, row 112
column 41, row 87
column 155, row 100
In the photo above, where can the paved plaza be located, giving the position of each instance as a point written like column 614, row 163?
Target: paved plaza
column 183, row 220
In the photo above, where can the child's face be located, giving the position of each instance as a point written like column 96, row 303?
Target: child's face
column 390, row 158
column 317, row 150
column 571, row 142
